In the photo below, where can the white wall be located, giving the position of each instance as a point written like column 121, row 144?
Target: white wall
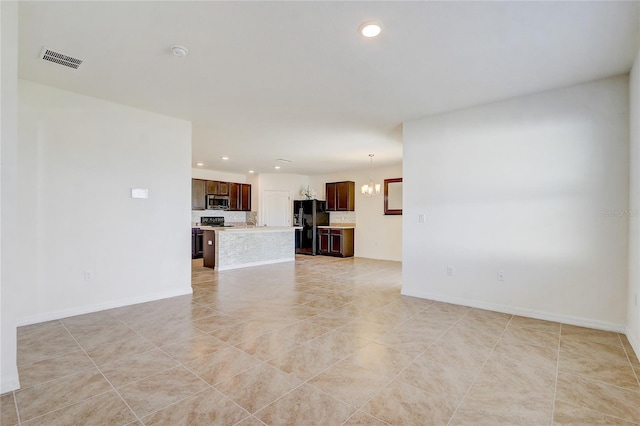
column 79, row 157
column 633, row 309
column 531, row 186
column 376, row 236
column 13, row 253
column 285, row 181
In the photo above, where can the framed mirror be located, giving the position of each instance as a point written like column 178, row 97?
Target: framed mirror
column 393, row 196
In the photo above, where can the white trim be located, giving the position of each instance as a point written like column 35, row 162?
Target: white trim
column 9, row 384
column 80, row 310
column 634, row 343
column 248, row 265
column 530, row 313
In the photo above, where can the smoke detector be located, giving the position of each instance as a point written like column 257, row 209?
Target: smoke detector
column 179, row 51
column 60, row 58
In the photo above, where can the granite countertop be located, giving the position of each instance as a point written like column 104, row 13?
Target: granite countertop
column 250, row 228
column 227, row 224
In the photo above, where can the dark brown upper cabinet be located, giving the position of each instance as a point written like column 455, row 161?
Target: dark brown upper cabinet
column 239, row 194
column 239, row 197
column 198, row 194
column 215, row 187
column 340, row 196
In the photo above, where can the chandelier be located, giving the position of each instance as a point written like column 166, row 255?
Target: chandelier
column 372, row 188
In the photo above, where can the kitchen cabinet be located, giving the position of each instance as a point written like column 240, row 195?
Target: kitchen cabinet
column 196, row 243
column 215, row 187
column 209, row 249
column 340, row 196
column 245, row 200
column 212, row 187
column 240, row 197
column 323, row 241
column 223, row 188
column 198, row 194
column 239, row 194
column 336, row 241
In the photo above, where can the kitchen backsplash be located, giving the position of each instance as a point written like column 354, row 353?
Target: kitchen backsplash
column 342, row 217
column 252, row 218
column 236, row 217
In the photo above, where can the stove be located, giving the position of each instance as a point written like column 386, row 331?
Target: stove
column 212, row 221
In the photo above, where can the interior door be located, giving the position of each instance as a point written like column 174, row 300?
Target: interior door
column 276, row 210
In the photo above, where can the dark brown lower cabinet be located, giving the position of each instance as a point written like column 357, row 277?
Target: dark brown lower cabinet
column 336, row 241
column 197, row 236
column 323, row 238
column 209, row 249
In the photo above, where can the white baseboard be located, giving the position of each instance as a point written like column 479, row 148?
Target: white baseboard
column 80, row 310
column 635, row 344
column 513, row 310
column 250, row 264
column 8, row 384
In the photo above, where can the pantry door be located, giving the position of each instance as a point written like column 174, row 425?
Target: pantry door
column 277, row 208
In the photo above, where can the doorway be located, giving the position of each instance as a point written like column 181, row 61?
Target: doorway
column 276, row 209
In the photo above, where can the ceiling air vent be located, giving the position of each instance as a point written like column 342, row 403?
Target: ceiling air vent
column 59, row 58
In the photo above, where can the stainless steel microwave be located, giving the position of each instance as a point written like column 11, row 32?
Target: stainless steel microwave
column 217, row 202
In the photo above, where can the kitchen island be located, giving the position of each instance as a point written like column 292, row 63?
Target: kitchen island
column 239, row 247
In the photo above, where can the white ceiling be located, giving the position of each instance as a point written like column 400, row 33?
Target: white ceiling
column 295, row 80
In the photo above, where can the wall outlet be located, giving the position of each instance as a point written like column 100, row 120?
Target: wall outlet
column 500, row 275
column 421, row 218
column 450, row 271
column 88, row 275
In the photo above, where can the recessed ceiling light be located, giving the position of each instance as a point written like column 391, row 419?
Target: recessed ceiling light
column 200, row 164
column 276, row 167
column 251, row 171
column 370, row 29
column 224, row 158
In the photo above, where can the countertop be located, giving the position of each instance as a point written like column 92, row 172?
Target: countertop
column 250, row 228
column 341, row 226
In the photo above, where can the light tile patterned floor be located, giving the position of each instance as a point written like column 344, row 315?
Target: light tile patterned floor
column 324, row 341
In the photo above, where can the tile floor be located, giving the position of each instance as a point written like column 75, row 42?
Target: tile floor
column 323, row 342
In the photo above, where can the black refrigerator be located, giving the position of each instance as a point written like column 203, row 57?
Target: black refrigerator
column 309, row 214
